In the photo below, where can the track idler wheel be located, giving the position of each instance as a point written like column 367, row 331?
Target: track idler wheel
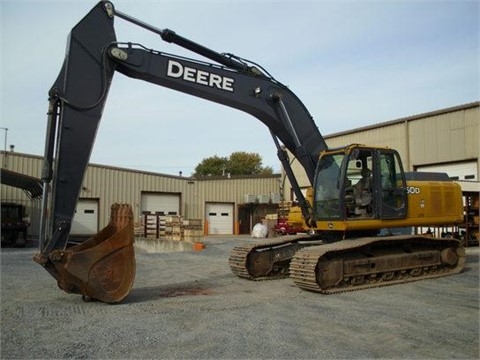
column 449, row 256
column 103, row 267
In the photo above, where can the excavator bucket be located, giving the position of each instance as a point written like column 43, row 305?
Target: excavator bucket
column 103, row 267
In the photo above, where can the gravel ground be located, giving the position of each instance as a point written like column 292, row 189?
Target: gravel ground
column 188, row 305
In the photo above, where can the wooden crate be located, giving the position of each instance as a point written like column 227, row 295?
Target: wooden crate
column 177, row 237
column 192, row 223
column 177, row 229
column 173, row 220
column 192, row 239
column 193, row 232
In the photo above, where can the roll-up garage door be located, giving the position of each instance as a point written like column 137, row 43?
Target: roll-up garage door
column 456, row 171
column 155, row 209
column 167, row 204
column 85, row 220
column 220, row 218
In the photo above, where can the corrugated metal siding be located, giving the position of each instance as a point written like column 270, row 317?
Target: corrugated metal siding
column 472, row 133
column 109, row 185
column 443, row 136
column 438, row 137
column 28, row 165
column 233, row 190
column 446, row 134
column 394, row 136
column 435, row 138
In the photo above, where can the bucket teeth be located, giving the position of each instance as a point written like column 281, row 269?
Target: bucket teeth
column 120, row 215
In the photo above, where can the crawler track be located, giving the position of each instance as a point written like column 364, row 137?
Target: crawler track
column 373, row 262
column 267, row 260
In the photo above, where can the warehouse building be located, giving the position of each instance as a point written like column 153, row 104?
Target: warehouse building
column 226, row 205
column 445, row 140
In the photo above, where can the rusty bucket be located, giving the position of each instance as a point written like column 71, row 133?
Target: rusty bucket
column 103, row 267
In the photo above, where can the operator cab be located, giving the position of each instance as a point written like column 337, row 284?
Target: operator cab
column 358, row 182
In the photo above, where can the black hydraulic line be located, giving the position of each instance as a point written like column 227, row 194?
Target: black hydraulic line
column 172, row 37
column 286, row 119
column 304, row 204
column 300, row 151
column 79, row 94
column 138, row 22
column 47, row 167
column 77, row 100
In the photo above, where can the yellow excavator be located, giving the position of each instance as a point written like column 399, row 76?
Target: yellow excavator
column 361, row 197
column 359, row 193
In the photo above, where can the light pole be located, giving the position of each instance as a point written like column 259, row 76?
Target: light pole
column 5, row 147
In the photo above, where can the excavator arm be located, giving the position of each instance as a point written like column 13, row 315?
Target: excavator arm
column 103, row 267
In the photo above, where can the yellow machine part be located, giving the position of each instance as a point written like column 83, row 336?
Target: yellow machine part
column 101, row 268
column 430, row 203
column 295, row 218
column 434, row 202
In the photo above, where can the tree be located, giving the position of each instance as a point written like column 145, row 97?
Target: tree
column 238, row 163
column 213, row 165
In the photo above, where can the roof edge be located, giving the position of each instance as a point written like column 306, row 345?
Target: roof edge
column 406, row 119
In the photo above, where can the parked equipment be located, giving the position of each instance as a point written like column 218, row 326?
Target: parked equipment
column 14, row 224
column 289, row 220
column 341, row 207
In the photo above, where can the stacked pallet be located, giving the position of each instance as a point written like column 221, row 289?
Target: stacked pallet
column 173, row 227
column 152, row 225
column 180, row 229
column 192, row 230
column 138, row 229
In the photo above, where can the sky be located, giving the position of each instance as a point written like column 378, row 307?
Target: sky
column 352, row 63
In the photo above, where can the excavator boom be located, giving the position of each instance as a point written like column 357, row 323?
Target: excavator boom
column 103, row 267
column 76, row 103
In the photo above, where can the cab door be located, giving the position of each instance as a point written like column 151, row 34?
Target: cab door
column 393, row 190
